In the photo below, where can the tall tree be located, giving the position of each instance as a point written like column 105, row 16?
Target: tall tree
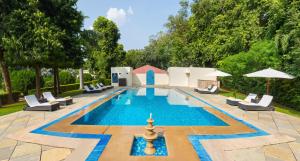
column 108, row 52
column 6, row 8
column 65, row 16
column 33, row 38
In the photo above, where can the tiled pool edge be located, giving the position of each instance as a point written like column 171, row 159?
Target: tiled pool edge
column 104, row 139
column 196, row 139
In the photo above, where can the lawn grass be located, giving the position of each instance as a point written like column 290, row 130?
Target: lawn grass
column 15, row 107
column 11, row 108
column 228, row 93
column 278, row 107
column 71, row 93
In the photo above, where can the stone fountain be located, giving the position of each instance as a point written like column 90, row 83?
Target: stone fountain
column 150, row 135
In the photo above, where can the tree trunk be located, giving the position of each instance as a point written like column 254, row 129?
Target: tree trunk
column 38, row 81
column 81, row 78
column 58, row 82
column 6, row 77
column 55, row 89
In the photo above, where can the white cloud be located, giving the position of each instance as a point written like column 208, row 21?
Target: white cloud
column 130, row 11
column 119, row 16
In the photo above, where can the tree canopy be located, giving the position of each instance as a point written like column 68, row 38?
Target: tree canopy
column 238, row 36
column 102, row 47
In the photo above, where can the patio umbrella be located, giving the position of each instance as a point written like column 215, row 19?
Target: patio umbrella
column 268, row 74
column 218, row 73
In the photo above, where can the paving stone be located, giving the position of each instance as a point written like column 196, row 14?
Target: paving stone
column 20, row 143
column 272, row 159
column 45, row 147
column 6, row 152
column 26, row 149
column 28, row 157
column 55, row 154
column 252, row 154
column 7, row 143
column 279, row 151
column 296, row 149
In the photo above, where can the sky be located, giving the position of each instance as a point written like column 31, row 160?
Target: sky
column 137, row 19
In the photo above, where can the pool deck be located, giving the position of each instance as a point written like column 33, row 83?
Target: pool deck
column 17, row 143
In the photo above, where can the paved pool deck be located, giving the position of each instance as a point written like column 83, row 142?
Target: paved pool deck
column 17, row 143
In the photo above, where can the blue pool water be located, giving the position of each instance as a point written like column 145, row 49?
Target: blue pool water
column 139, row 145
column 169, row 107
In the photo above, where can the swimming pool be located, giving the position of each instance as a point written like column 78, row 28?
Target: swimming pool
column 169, row 107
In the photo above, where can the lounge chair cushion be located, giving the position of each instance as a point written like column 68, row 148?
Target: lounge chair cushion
column 32, row 101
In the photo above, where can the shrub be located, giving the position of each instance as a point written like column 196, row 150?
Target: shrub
column 4, row 97
column 64, row 88
column 48, row 81
column 105, row 81
column 66, row 77
column 72, row 93
column 22, row 80
column 86, row 78
column 261, row 55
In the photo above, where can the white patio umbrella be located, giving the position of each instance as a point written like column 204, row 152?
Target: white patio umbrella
column 218, row 73
column 268, row 74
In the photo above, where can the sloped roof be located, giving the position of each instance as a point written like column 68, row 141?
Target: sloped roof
column 145, row 68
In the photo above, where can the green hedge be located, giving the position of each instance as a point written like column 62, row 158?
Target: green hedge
column 64, row 88
column 22, row 80
column 72, row 93
column 261, row 55
column 105, row 81
column 65, row 77
column 4, row 98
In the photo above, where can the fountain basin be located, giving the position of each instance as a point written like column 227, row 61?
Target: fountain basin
column 139, row 145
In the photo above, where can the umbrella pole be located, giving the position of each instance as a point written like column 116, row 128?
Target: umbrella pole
column 268, row 86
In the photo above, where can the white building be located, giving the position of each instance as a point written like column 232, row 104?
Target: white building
column 174, row 76
column 118, row 73
column 149, row 75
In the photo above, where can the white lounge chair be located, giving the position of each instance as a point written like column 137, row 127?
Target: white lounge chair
column 35, row 105
column 62, row 101
column 234, row 102
column 100, row 87
column 213, row 90
column 96, row 88
column 265, row 104
column 108, row 87
column 88, row 90
column 203, row 89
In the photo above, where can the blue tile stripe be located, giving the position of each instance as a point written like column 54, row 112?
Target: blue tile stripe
column 104, row 139
column 196, row 139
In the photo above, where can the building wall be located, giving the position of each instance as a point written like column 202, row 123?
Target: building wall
column 123, row 72
column 161, row 79
column 178, row 76
column 140, row 79
column 188, row 76
column 199, row 74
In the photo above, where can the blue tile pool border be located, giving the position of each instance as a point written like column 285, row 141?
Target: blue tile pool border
column 196, row 139
column 159, row 144
column 104, row 138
